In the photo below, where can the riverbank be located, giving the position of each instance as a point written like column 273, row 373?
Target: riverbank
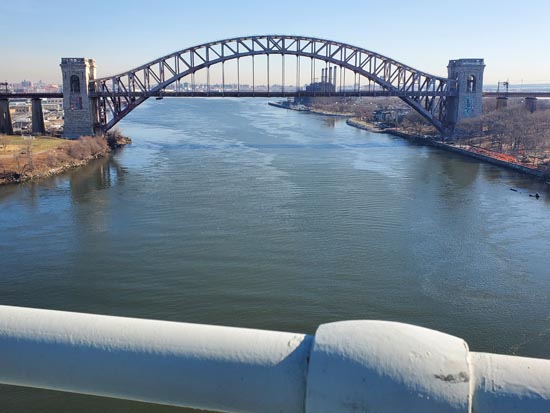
column 28, row 158
column 329, row 113
column 289, row 106
column 302, row 108
column 482, row 154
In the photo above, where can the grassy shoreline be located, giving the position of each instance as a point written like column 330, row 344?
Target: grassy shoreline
column 28, row 158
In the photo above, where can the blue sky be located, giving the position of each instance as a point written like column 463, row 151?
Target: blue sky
column 513, row 37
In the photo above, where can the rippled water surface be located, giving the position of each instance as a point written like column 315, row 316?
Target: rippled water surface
column 232, row 212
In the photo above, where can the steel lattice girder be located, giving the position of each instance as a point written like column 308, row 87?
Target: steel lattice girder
column 424, row 92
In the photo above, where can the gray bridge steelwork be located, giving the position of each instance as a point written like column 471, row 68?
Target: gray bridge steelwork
column 118, row 95
column 232, row 93
column 94, row 105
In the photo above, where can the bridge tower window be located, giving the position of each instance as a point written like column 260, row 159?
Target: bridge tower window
column 75, row 84
column 471, row 85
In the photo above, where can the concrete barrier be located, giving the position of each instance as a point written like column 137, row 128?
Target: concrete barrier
column 347, row 367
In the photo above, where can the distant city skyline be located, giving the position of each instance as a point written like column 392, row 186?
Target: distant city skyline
column 424, row 34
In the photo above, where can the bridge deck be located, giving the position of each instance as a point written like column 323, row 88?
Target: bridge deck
column 31, row 95
column 265, row 93
column 518, row 94
column 232, row 93
column 276, row 94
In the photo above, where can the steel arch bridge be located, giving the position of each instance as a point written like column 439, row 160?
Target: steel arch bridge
column 115, row 96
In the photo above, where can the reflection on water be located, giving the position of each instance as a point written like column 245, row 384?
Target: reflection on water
column 97, row 175
column 229, row 211
column 329, row 122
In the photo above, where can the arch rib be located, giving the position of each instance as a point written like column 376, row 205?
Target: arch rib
column 121, row 93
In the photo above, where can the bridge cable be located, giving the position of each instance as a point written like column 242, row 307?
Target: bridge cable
column 325, row 78
column 313, row 72
column 344, row 82
column 340, row 79
column 297, row 73
column 283, row 77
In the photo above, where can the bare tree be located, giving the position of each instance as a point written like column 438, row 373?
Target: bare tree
column 28, row 152
column 512, row 130
column 4, row 142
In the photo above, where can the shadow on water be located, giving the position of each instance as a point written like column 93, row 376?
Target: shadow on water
column 22, row 399
column 462, row 172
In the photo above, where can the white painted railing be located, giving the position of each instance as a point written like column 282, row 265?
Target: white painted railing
column 347, row 367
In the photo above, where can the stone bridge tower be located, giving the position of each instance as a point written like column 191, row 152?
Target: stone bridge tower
column 468, row 76
column 79, row 109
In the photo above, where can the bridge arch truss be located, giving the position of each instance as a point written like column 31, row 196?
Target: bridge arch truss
column 118, row 95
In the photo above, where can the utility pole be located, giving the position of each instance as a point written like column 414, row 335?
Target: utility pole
column 504, row 84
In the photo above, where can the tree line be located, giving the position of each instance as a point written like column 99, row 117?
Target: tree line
column 513, row 130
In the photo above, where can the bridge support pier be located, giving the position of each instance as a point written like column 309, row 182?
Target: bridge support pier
column 77, row 105
column 467, row 76
column 531, row 104
column 38, row 127
column 502, row 102
column 6, row 127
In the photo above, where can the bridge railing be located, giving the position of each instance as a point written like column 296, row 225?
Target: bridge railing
column 350, row 366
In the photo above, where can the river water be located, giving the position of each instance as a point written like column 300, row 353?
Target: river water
column 232, row 212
